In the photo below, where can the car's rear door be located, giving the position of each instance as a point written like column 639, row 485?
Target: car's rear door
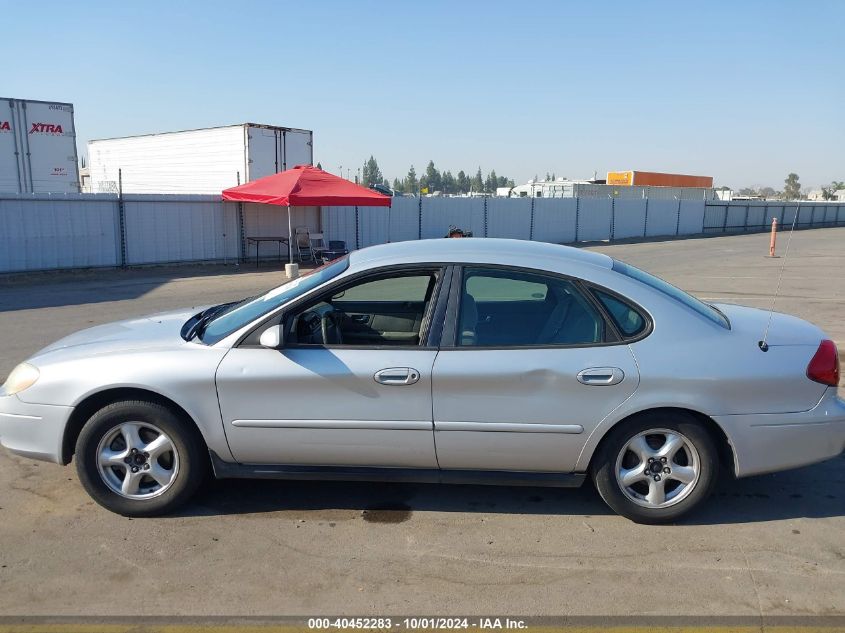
column 527, row 368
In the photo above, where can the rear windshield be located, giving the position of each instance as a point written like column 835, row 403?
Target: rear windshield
column 704, row 309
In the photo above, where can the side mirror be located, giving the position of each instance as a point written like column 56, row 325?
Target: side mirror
column 273, row 337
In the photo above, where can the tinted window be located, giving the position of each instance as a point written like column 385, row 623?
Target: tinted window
column 704, row 309
column 413, row 288
column 505, row 289
column 386, row 311
column 501, row 308
column 627, row 319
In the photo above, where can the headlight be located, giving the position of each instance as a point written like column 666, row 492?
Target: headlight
column 22, row 377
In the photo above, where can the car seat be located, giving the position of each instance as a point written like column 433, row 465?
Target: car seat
column 468, row 321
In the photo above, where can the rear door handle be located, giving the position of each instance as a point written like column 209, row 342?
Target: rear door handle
column 601, row 376
column 397, row 376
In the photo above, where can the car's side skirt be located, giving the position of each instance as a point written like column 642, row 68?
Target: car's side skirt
column 227, row 470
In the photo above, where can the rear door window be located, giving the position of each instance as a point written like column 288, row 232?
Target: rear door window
column 511, row 308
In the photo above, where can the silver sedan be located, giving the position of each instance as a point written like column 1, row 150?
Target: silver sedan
column 464, row 360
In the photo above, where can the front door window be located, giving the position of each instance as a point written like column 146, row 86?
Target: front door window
column 379, row 311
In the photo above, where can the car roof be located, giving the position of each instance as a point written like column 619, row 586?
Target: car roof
column 485, row 250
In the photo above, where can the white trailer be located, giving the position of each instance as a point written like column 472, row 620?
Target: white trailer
column 37, row 147
column 205, row 161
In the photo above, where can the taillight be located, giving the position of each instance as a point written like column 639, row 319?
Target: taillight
column 824, row 367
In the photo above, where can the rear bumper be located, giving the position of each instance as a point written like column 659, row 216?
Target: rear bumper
column 765, row 443
column 33, row 430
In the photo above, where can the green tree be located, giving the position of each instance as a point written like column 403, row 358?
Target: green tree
column 449, row 183
column 398, row 186
column 792, row 188
column 463, row 183
column 433, row 179
column 829, row 192
column 370, row 173
column 491, row 183
column 477, row 182
column 412, row 185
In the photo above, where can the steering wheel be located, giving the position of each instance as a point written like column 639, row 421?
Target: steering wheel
column 329, row 324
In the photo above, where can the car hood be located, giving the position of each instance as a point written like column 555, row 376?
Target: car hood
column 155, row 331
column 785, row 329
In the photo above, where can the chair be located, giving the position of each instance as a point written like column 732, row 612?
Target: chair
column 318, row 245
column 337, row 248
column 302, row 241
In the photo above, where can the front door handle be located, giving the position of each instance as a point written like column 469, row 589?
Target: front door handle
column 600, row 376
column 397, row 376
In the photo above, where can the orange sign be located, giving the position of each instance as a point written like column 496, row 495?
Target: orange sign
column 624, row 178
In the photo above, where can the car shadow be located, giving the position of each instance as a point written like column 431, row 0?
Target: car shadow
column 387, row 502
column 816, row 491
column 52, row 289
column 812, row 492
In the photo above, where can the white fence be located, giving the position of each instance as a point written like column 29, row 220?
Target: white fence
column 48, row 232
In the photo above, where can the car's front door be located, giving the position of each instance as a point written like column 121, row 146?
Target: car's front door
column 531, row 369
column 351, row 385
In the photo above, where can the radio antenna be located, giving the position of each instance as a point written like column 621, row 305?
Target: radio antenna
column 764, row 346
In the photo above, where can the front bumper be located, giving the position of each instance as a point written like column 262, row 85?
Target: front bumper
column 33, row 430
column 765, row 443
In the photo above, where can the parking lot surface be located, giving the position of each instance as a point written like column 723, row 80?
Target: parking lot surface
column 771, row 545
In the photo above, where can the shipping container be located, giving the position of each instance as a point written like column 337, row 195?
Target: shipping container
column 37, row 147
column 196, row 161
column 657, row 179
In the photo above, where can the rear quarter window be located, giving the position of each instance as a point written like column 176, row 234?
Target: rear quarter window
column 628, row 320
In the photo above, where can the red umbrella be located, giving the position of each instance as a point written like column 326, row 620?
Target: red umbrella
column 305, row 186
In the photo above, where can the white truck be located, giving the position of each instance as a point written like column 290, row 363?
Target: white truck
column 203, row 161
column 37, row 147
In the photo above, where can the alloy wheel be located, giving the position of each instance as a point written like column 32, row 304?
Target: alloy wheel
column 658, row 468
column 137, row 460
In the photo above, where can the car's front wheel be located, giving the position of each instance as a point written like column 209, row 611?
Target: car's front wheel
column 657, row 467
column 139, row 458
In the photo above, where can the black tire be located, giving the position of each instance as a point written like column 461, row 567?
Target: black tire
column 605, row 462
column 189, row 446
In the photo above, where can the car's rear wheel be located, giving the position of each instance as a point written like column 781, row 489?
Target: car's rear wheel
column 657, row 467
column 139, row 458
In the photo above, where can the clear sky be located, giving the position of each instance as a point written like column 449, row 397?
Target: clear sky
column 743, row 91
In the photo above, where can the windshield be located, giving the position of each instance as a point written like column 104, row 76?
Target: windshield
column 241, row 314
column 704, row 309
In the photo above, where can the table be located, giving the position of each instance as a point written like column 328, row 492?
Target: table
column 257, row 241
